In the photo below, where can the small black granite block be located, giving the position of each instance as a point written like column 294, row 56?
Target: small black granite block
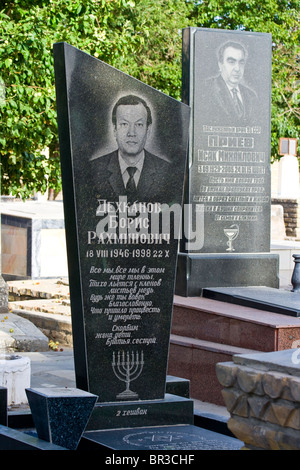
column 3, row 406
column 60, row 414
column 198, row 271
column 171, row 410
column 178, row 386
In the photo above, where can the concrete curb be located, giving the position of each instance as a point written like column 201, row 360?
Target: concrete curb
column 46, row 304
column 20, row 334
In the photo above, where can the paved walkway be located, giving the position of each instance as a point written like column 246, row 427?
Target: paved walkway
column 52, row 368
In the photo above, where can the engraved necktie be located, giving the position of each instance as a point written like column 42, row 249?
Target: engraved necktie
column 237, row 103
column 130, row 186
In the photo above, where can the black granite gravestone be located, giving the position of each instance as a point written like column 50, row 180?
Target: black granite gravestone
column 226, row 81
column 121, row 240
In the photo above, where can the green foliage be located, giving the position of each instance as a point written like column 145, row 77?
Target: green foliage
column 139, row 37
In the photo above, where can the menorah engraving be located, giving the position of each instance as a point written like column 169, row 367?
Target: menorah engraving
column 127, row 368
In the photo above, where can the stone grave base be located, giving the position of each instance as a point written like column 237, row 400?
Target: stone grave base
column 180, row 437
column 197, row 271
column 166, row 424
column 207, row 331
column 164, row 427
column 170, row 410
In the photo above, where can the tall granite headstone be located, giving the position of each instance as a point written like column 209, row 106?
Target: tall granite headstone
column 227, row 83
column 121, row 240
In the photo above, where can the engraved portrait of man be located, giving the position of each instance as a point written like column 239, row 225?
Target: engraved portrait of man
column 131, row 170
column 226, row 97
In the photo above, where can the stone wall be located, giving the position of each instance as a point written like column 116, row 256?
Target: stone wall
column 291, row 208
column 264, row 406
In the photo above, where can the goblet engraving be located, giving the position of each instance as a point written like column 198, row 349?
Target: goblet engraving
column 231, row 233
column 127, row 368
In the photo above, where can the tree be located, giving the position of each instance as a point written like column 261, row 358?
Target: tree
column 139, row 37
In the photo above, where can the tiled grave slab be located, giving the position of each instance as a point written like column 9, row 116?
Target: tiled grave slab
column 264, row 298
column 233, row 324
column 162, row 438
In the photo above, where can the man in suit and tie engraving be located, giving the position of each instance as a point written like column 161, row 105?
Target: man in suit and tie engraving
column 131, row 170
column 228, row 100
